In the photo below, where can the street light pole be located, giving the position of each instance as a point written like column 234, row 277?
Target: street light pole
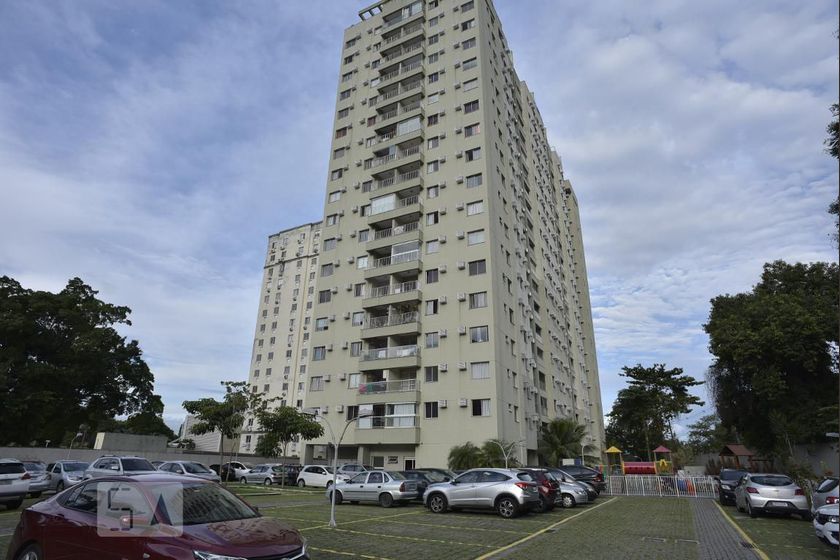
column 336, row 444
column 505, row 453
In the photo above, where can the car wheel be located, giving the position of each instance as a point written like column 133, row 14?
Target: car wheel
column 31, row 552
column 542, row 506
column 243, row 480
column 386, row 500
column 338, row 498
column 329, row 483
column 301, row 483
column 437, row 503
column 567, row 501
column 59, row 487
column 267, row 482
column 750, row 511
column 507, row 507
column 14, row 505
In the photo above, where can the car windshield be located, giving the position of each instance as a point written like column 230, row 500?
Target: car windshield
column 35, row 467
column 731, row 475
column 772, row 480
column 137, row 465
column 435, row 476
column 198, row 504
column 196, row 468
column 75, row 467
column 396, row 475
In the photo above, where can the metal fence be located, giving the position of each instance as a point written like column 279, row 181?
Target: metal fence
column 652, row 485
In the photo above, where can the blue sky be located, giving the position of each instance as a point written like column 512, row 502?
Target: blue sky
column 150, row 148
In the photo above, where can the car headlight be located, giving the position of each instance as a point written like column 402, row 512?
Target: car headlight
column 210, row 556
column 833, row 519
column 728, row 487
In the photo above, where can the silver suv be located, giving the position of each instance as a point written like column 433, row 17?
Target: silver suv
column 507, row 491
column 111, row 465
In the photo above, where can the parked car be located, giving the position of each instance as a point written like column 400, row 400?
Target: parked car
column 40, row 481
column 267, row 474
column 211, row 522
column 384, row 487
column 352, row 469
column 445, row 475
column 586, row 474
column 826, row 524
column 727, row 480
column 233, row 470
column 189, row 468
column 14, row 483
column 770, row 493
column 570, row 491
column 825, row 493
column 64, row 474
column 318, row 475
column 157, row 463
column 111, row 465
column 507, row 491
column 423, row 480
column 548, row 487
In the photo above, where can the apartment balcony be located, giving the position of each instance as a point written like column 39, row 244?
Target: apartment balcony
column 402, row 207
column 392, row 325
column 395, row 264
column 401, row 390
column 399, row 158
column 403, row 72
column 392, row 357
column 396, row 234
column 411, row 27
column 401, row 53
column 400, row 92
column 393, row 294
column 413, row 109
column 387, row 430
column 398, row 182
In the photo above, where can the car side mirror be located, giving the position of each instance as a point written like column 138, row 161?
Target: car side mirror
column 453, row 482
column 446, row 479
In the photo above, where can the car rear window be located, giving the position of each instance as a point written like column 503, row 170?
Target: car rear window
column 34, row 467
column 75, row 467
column 435, row 476
column 12, row 468
column 772, row 480
column 396, row 475
column 137, row 465
column 525, row 476
column 196, row 468
column 731, row 475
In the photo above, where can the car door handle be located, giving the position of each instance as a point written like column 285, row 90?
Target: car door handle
column 379, row 486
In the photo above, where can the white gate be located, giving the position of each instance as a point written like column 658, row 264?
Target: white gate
column 653, row 485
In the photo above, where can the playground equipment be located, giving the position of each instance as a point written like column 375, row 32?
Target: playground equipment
column 662, row 463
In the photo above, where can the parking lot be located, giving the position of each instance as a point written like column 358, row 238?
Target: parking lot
column 612, row 527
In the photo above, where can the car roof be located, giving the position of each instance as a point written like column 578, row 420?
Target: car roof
column 150, row 477
column 10, row 461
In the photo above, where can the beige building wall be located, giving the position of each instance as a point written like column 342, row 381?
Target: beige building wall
column 451, row 302
column 281, row 337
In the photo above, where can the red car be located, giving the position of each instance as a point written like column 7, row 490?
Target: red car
column 548, row 486
column 153, row 517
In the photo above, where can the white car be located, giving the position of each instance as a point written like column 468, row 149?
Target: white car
column 826, row 524
column 318, row 475
column 14, row 483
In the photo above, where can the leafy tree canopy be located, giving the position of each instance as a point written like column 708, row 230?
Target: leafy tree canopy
column 63, row 363
column 562, row 438
column 774, row 376
column 283, row 425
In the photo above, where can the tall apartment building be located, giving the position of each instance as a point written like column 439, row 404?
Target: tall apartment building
column 284, row 317
column 452, row 302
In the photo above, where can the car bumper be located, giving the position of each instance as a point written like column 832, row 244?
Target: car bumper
column 405, row 495
column 727, row 494
column 781, row 505
column 39, row 486
column 827, row 533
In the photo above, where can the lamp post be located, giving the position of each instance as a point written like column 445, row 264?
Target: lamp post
column 336, row 444
column 505, row 452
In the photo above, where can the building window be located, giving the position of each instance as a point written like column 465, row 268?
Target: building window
column 326, row 270
column 332, row 219
column 471, row 107
column 469, row 24
column 467, row 6
column 325, row 296
column 432, row 409
column 474, row 154
column 472, row 130
column 320, row 353
column 468, row 44
column 474, row 180
column 323, row 323
column 432, row 307
column 478, row 300
column 432, row 167
column 358, row 318
column 362, row 262
column 339, row 153
column 432, row 120
column 432, row 218
column 432, row 192
column 474, row 208
column 433, row 39
column 479, row 334
column 345, row 94
column 478, row 267
column 353, row 381
column 344, row 113
column 433, row 142
column 347, row 77
column 317, row 384
column 432, row 58
column 335, row 196
column 431, row 374
column 433, row 77
column 363, row 235
column 432, row 276
column 432, row 340
column 475, row 237
column 355, row 348
column 480, row 370
column 432, row 246
column 481, row 407
column 341, row 132
column 359, row 290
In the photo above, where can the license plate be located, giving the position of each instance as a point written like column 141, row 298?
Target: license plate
column 5, row 482
column 778, row 504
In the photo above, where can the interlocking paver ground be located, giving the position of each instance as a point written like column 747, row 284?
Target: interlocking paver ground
column 720, row 541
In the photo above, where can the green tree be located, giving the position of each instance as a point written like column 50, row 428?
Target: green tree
column 63, row 363
column 466, row 456
column 562, row 438
column 708, row 435
column 774, row 373
column 280, row 427
column 643, row 414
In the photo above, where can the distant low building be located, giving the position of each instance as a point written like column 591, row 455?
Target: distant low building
column 205, row 442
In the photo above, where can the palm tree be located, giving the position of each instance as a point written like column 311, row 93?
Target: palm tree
column 561, row 439
column 493, row 455
column 466, row 456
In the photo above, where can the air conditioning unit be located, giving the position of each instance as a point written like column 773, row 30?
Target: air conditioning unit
column 339, row 408
column 462, row 402
column 443, row 367
column 355, row 208
column 460, row 235
column 462, row 265
column 327, row 378
column 351, row 259
column 442, row 404
column 346, row 314
column 462, row 330
column 442, row 211
column 442, row 269
column 442, row 300
column 329, row 347
column 342, row 376
column 339, row 237
column 442, row 333
column 352, row 234
column 325, row 409
column 462, row 365
column 459, row 154
column 443, row 159
column 460, row 179
column 344, row 346
column 442, row 239
column 334, row 289
column 459, row 206
column 332, row 318
column 457, row 65
column 348, row 287
column 462, row 296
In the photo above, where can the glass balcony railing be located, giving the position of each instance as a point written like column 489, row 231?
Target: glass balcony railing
column 375, row 422
column 382, row 291
column 396, row 230
column 400, row 203
column 396, row 259
column 395, row 180
column 390, row 352
column 393, row 320
column 398, row 386
column 400, row 154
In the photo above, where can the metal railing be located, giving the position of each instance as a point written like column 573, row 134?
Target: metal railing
column 401, row 203
column 654, row 485
column 392, row 320
column 403, row 88
column 396, row 230
column 395, row 180
column 391, row 352
column 403, row 69
column 375, row 422
column 399, row 111
column 396, row 259
column 382, row 291
column 398, row 386
column 405, row 31
column 404, row 50
column 401, row 154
